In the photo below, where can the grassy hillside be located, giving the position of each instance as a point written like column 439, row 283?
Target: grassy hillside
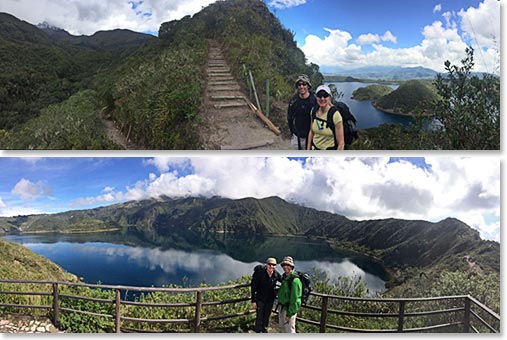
column 40, row 70
column 20, row 263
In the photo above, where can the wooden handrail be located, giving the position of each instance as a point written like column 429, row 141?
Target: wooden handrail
column 465, row 307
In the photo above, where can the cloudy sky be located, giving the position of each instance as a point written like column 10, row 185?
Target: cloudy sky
column 360, row 188
column 333, row 34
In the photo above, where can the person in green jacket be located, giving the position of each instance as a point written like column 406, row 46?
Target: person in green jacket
column 289, row 296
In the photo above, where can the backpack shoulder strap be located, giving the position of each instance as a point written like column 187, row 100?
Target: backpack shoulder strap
column 314, row 111
column 330, row 123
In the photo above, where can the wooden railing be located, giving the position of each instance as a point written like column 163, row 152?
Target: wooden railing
column 193, row 323
column 462, row 313
column 325, row 312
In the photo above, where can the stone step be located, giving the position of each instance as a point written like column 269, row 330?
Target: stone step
column 228, row 88
column 219, row 68
column 217, row 77
column 221, row 83
column 227, row 97
column 229, row 105
column 219, row 72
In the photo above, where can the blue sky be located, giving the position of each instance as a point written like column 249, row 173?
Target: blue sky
column 350, row 34
column 360, row 188
column 333, row 34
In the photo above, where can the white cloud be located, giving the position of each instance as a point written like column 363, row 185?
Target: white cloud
column 388, row 36
column 87, row 17
column 368, row 39
column 282, row 4
column 29, row 191
column 439, row 43
column 437, row 8
column 358, row 188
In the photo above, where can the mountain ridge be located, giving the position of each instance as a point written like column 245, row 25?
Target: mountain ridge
column 391, row 73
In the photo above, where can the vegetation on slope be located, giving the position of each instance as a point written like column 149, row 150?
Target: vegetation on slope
column 74, row 124
column 371, row 92
column 467, row 108
column 40, row 69
column 412, row 97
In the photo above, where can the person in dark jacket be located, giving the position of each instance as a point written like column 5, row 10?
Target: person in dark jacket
column 298, row 113
column 263, row 293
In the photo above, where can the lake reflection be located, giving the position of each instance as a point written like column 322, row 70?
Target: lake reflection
column 121, row 264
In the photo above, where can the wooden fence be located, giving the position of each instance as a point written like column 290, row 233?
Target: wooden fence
column 465, row 315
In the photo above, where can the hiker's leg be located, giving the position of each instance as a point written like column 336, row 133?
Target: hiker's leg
column 267, row 313
column 281, row 318
column 287, row 326
column 259, row 317
column 292, row 324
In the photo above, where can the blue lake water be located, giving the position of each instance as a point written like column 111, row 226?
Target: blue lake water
column 367, row 116
column 117, row 261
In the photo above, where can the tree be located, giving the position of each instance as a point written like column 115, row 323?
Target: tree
column 469, row 106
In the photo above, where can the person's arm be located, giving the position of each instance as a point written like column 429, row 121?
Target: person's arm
column 310, row 137
column 340, row 137
column 290, row 120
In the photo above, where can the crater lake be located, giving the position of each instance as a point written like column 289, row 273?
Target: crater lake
column 119, row 259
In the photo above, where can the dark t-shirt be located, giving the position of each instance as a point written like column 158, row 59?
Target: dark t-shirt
column 299, row 116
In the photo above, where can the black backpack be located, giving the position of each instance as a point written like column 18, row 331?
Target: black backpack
column 349, row 121
column 259, row 268
column 306, row 283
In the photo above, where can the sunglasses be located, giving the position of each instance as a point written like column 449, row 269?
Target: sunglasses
column 322, row 94
column 302, row 84
column 271, row 265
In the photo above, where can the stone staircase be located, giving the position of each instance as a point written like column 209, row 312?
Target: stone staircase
column 230, row 123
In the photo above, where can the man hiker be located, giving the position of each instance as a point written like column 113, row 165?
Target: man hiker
column 298, row 113
column 289, row 296
column 262, row 287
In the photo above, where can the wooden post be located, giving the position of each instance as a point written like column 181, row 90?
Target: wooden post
column 255, row 91
column 265, row 119
column 323, row 316
column 401, row 316
column 466, row 317
column 56, row 307
column 247, row 82
column 267, row 98
column 117, row 319
column 198, row 304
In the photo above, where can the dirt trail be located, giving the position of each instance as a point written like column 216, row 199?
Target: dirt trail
column 114, row 134
column 229, row 123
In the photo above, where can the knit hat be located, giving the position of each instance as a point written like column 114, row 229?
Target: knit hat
column 288, row 260
column 305, row 79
